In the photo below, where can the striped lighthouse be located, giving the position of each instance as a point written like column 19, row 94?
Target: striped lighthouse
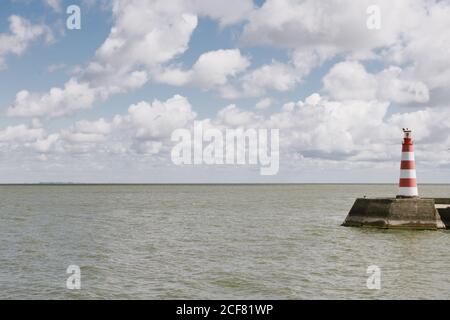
column 408, row 183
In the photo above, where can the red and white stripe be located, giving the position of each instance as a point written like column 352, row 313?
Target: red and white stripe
column 408, row 182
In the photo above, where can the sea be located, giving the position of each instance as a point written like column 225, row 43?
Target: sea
column 211, row 242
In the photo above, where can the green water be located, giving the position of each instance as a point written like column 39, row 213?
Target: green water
column 211, row 242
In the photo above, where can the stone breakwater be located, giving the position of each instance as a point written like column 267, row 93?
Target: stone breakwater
column 400, row 213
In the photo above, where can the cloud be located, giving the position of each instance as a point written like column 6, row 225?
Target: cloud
column 56, row 67
column 232, row 116
column 57, row 102
column 44, row 145
column 229, row 12
column 211, row 70
column 335, row 25
column 424, row 49
column 88, row 131
column 144, row 129
column 226, row 71
column 392, row 86
column 306, row 60
column 158, row 119
column 276, row 76
column 349, row 80
column 148, row 36
column 144, row 36
column 263, row 104
column 338, row 28
column 20, row 133
column 317, row 126
column 21, row 34
column 95, row 127
column 315, row 132
column 54, row 4
column 350, row 123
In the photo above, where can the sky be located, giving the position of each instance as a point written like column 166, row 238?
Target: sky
column 338, row 79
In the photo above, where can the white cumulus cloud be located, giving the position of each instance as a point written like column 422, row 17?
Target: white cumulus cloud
column 57, row 102
column 212, row 69
column 21, row 34
column 349, row 80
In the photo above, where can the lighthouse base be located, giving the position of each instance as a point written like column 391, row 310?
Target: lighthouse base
column 394, row 213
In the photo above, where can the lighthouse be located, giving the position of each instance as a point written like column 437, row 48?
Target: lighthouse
column 408, row 181
column 407, row 210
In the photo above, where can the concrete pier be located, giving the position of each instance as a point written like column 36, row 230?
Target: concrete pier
column 443, row 207
column 407, row 210
column 396, row 213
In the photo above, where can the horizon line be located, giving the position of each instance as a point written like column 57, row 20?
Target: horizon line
column 203, row 183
